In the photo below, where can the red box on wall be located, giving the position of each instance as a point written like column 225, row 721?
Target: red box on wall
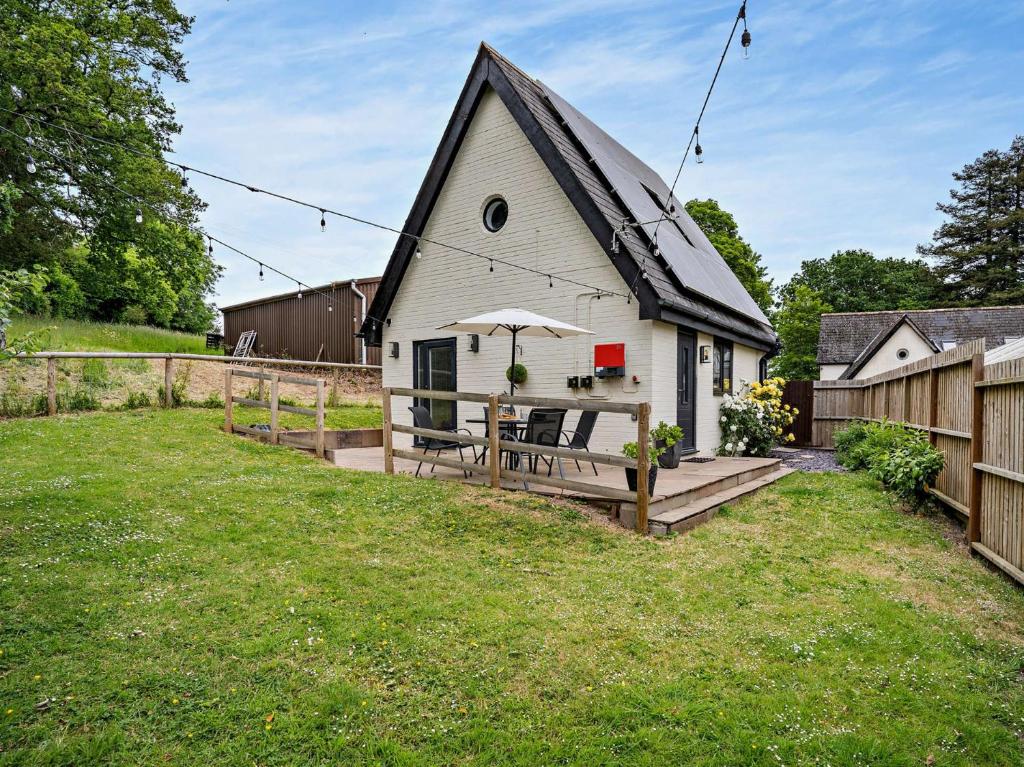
column 609, row 360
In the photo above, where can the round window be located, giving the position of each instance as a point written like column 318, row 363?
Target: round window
column 495, row 214
column 902, row 354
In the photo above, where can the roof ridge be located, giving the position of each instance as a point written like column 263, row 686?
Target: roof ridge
column 924, row 311
column 494, row 53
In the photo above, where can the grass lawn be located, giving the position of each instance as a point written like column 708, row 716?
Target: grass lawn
column 170, row 594
column 82, row 336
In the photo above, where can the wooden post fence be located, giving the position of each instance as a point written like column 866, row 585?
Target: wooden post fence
column 974, row 414
column 275, row 407
column 169, row 382
column 51, row 386
column 491, row 470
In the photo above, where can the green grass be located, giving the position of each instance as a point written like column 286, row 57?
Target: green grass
column 170, row 594
column 341, row 417
column 81, row 336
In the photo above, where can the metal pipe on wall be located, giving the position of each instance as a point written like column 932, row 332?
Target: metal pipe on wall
column 362, row 319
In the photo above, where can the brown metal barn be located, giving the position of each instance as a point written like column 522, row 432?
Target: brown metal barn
column 303, row 328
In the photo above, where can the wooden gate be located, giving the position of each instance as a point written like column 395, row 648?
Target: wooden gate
column 800, row 395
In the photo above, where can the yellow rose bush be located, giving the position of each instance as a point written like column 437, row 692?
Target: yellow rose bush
column 753, row 422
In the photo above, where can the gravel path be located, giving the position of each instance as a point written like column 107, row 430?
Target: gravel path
column 808, row 459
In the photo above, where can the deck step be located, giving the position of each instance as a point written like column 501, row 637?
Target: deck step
column 711, row 486
column 702, row 509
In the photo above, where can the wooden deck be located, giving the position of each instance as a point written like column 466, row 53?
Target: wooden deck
column 683, row 497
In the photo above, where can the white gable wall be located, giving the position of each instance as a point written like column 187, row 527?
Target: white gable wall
column 544, row 232
column 886, row 357
column 831, row 372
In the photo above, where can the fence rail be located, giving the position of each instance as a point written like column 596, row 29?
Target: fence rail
column 274, row 405
column 974, row 414
column 494, row 446
column 169, row 359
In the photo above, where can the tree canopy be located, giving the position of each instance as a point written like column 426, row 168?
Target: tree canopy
column 70, row 203
column 858, row 281
column 797, row 323
column 979, row 249
column 721, row 228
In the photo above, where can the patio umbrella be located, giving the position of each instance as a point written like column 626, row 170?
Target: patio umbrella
column 515, row 322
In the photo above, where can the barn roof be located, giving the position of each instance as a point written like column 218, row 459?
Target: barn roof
column 844, row 336
column 688, row 283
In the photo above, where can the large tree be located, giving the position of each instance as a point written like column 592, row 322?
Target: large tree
column 721, row 228
column 979, row 249
column 96, row 67
column 797, row 322
column 857, row 281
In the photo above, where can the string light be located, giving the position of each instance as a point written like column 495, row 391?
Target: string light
column 30, row 164
column 210, row 240
column 745, row 37
column 550, row 283
column 419, row 253
column 184, row 178
column 323, row 221
column 138, row 215
column 324, row 211
column 330, row 308
column 492, row 265
column 299, row 294
column 261, row 272
column 697, row 150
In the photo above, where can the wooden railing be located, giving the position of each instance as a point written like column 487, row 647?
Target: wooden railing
column 974, row 414
column 169, row 358
column 274, row 405
column 493, row 470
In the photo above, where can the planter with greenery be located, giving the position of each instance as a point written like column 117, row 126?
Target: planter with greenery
column 632, row 450
column 520, row 374
column 668, row 438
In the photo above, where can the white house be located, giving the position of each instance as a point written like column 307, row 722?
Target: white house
column 864, row 344
column 522, row 176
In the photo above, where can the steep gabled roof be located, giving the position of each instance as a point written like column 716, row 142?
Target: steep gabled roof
column 879, row 340
column 689, row 283
column 845, row 335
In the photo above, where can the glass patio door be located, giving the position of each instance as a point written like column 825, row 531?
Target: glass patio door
column 435, row 369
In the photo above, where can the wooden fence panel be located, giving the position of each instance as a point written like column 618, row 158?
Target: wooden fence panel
column 971, row 412
column 800, row 395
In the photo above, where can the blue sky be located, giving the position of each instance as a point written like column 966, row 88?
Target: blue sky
column 841, row 130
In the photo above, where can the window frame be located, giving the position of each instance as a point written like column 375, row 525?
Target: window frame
column 722, row 361
column 486, row 216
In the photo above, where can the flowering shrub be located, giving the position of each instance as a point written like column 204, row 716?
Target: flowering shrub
column 754, row 421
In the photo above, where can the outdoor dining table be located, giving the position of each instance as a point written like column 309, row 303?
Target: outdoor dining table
column 509, row 425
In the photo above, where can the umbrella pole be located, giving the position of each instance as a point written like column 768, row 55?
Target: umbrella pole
column 512, row 377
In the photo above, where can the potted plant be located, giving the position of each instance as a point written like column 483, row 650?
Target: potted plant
column 668, row 438
column 520, row 376
column 632, row 450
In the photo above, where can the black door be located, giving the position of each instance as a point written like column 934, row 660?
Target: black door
column 686, row 389
column 434, row 368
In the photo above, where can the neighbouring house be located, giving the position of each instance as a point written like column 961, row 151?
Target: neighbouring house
column 863, row 344
column 314, row 324
column 522, row 176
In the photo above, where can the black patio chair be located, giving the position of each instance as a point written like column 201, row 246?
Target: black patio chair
column 422, row 420
column 543, row 427
column 580, row 439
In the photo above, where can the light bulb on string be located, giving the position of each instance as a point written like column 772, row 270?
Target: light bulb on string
column 323, row 220
column 261, row 272
column 210, row 247
column 299, row 294
column 184, row 178
column 745, row 37
column 492, row 265
column 138, row 215
column 330, row 308
column 698, row 151
column 551, row 283
column 419, row 253
column 30, row 164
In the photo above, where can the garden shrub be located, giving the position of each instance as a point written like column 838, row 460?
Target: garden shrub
column 80, row 398
column 900, row 457
column 136, row 400
column 753, row 422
